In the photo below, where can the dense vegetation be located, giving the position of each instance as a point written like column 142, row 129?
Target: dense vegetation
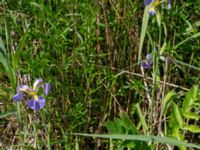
column 126, row 78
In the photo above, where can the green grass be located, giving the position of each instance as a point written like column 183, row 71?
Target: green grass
column 90, row 52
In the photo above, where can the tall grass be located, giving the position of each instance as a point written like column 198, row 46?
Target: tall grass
column 91, row 52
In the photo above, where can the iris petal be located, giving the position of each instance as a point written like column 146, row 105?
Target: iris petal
column 148, row 57
column 33, row 105
column 24, row 88
column 169, row 6
column 36, row 84
column 47, row 88
column 18, row 97
column 41, row 101
column 147, row 2
column 36, row 104
column 146, row 65
column 152, row 11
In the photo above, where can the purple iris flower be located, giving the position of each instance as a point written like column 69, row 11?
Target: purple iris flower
column 147, row 2
column 20, row 95
column 36, row 102
column 147, row 64
column 46, row 88
column 154, row 4
column 169, row 4
column 152, row 11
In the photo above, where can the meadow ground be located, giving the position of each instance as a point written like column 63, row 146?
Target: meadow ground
column 101, row 74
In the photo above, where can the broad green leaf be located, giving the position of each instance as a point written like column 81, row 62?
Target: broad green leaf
column 142, row 118
column 121, row 125
column 176, row 133
column 190, row 115
column 191, row 128
column 197, row 104
column 127, row 123
column 159, row 139
column 114, row 126
column 168, row 98
column 135, row 144
column 189, row 99
column 177, row 115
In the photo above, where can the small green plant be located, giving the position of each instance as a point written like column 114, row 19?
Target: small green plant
column 123, row 125
column 184, row 115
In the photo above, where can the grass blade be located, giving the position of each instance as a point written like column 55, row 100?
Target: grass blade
column 145, row 21
column 159, row 139
column 2, row 46
column 142, row 118
column 189, row 38
column 6, row 114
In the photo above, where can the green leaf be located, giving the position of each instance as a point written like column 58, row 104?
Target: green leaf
column 187, row 65
column 177, row 115
column 127, row 123
column 191, row 128
column 189, row 38
column 7, row 114
column 135, row 145
column 168, row 98
column 2, row 46
column 114, row 126
column 3, row 61
column 9, row 70
column 121, row 125
column 190, row 98
column 177, row 134
column 190, row 115
column 158, row 18
column 20, row 48
column 159, row 139
column 142, row 118
column 145, row 21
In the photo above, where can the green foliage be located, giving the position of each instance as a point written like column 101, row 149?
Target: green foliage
column 181, row 116
column 167, row 101
column 145, row 21
column 123, row 125
column 142, row 118
column 165, row 140
column 177, row 115
column 7, row 114
column 4, row 60
column 190, row 99
column 91, row 53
